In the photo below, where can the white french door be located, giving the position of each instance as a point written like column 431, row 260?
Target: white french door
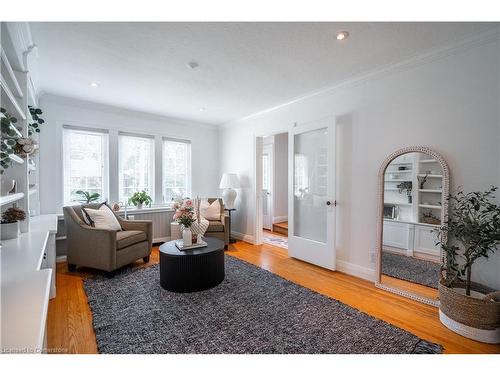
column 311, row 195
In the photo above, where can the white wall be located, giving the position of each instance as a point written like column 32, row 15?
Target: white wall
column 59, row 111
column 280, row 199
column 448, row 102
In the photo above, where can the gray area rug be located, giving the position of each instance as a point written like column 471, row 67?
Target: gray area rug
column 410, row 269
column 251, row 311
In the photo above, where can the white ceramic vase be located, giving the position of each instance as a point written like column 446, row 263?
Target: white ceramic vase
column 187, row 237
column 139, row 206
column 9, row 230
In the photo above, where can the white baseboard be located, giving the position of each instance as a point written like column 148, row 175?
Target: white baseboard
column 61, row 259
column 243, row 237
column 355, row 270
column 161, row 239
column 279, row 219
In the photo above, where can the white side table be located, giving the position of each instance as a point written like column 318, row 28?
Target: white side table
column 175, row 231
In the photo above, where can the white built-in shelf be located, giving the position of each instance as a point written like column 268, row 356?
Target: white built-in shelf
column 60, row 238
column 399, row 171
column 425, row 161
column 12, row 98
column 401, row 162
column 391, row 189
column 11, row 198
column 397, row 180
column 430, row 190
column 430, row 206
column 399, row 203
column 17, row 89
column 431, row 175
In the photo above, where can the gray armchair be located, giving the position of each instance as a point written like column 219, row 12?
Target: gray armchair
column 219, row 228
column 105, row 250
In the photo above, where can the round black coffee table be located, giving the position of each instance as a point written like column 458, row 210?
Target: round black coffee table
column 191, row 270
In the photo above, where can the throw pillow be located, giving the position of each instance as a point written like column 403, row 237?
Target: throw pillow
column 93, row 206
column 103, row 218
column 210, row 211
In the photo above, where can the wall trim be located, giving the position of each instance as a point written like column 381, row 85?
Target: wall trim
column 243, row 237
column 279, row 219
column 434, row 54
column 356, row 270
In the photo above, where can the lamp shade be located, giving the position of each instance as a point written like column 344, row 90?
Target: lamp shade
column 229, row 181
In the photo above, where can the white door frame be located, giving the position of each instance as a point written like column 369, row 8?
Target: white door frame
column 270, row 197
column 257, row 189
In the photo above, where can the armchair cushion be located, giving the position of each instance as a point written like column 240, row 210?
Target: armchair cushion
column 103, row 218
column 126, row 238
column 215, row 226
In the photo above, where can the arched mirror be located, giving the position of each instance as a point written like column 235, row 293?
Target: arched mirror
column 413, row 187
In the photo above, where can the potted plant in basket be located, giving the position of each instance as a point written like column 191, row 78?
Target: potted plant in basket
column 10, row 222
column 185, row 215
column 472, row 232
column 139, row 198
column 88, row 197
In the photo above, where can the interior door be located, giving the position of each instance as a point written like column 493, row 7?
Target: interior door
column 267, row 183
column 311, row 214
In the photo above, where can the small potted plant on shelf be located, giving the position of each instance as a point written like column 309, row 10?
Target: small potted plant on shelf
column 405, row 186
column 140, row 198
column 10, row 222
column 88, row 197
column 471, row 232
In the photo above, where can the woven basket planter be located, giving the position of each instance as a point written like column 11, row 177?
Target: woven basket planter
column 475, row 318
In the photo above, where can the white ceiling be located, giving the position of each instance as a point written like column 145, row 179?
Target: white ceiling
column 243, row 67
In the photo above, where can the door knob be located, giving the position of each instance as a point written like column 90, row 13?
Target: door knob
column 328, row 203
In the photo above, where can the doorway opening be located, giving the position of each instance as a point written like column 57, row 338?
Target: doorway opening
column 274, row 189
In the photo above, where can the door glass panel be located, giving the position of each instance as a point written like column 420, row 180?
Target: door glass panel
column 310, row 183
column 265, row 183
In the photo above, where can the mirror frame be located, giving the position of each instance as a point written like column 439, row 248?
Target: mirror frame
column 380, row 216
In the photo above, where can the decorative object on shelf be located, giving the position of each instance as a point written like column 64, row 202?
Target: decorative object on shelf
column 10, row 222
column 422, row 180
column 229, row 182
column 25, row 146
column 88, row 197
column 139, row 198
column 402, row 168
column 468, row 308
column 34, row 127
column 116, row 207
column 186, row 216
column 406, row 186
column 430, row 218
column 13, row 189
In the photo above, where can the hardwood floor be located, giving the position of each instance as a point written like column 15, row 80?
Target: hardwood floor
column 70, row 319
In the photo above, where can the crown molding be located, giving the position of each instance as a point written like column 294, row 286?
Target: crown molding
column 109, row 108
column 432, row 55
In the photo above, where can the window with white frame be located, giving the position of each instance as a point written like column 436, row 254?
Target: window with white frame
column 136, row 165
column 85, row 162
column 176, row 169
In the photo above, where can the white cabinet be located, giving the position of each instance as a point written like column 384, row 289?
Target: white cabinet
column 399, row 235
column 411, row 239
column 425, row 242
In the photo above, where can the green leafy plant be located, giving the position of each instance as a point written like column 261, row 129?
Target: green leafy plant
column 140, row 197
column 10, row 135
column 473, row 231
column 12, row 215
column 87, row 197
column 34, row 127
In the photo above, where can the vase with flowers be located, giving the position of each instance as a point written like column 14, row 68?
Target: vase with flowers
column 185, row 215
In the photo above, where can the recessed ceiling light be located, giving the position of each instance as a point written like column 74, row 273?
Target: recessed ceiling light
column 341, row 35
column 203, row 109
column 94, row 84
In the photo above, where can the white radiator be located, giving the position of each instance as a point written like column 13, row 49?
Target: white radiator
column 161, row 221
